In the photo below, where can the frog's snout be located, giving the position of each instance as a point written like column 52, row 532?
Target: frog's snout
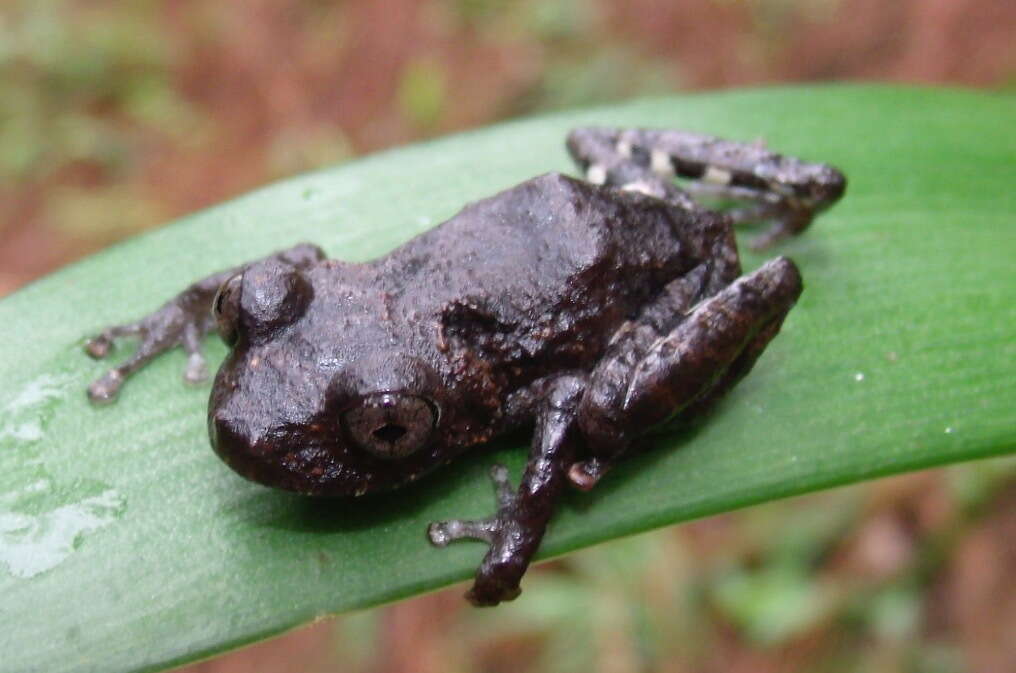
column 236, row 451
column 280, row 457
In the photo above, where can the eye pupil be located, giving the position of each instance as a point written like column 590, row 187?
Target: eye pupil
column 390, row 433
column 390, row 425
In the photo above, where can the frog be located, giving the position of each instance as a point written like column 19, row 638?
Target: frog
column 591, row 312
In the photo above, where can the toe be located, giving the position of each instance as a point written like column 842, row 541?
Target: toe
column 104, row 390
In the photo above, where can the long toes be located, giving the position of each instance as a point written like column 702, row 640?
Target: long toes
column 441, row 533
column 499, row 474
column 766, row 240
column 786, row 224
column 99, row 347
column 105, row 389
column 197, row 369
column 503, row 490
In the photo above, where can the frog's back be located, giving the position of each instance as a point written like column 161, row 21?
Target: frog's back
column 548, row 268
column 527, row 245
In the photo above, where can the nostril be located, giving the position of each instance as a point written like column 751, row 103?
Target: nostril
column 389, row 433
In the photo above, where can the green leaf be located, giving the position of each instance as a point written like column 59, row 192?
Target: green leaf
column 126, row 545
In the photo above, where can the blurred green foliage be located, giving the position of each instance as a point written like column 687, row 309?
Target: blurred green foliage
column 64, row 67
column 84, row 85
column 92, row 97
column 422, row 92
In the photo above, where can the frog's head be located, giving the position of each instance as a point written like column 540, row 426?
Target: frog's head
column 292, row 409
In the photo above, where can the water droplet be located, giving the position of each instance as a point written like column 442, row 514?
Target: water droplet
column 32, row 542
column 40, row 525
column 24, row 417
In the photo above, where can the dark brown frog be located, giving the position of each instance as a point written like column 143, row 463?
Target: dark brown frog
column 592, row 310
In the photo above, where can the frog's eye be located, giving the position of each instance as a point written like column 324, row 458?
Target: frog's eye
column 390, row 425
column 226, row 309
column 272, row 295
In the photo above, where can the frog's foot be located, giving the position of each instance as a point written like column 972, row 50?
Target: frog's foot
column 786, row 217
column 442, row 533
column 497, row 531
column 167, row 328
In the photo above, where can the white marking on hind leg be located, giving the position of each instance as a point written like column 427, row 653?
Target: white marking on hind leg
column 596, row 174
column 660, row 163
column 780, row 188
column 642, row 188
column 716, row 176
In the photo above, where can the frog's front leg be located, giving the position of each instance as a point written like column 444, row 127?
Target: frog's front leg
column 515, row 530
column 681, row 372
column 182, row 321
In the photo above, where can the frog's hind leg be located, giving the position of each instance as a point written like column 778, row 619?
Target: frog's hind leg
column 781, row 189
column 604, row 160
column 652, row 375
column 608, row 159
column 715, row 346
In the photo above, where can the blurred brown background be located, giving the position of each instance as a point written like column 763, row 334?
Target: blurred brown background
column 118, row 116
